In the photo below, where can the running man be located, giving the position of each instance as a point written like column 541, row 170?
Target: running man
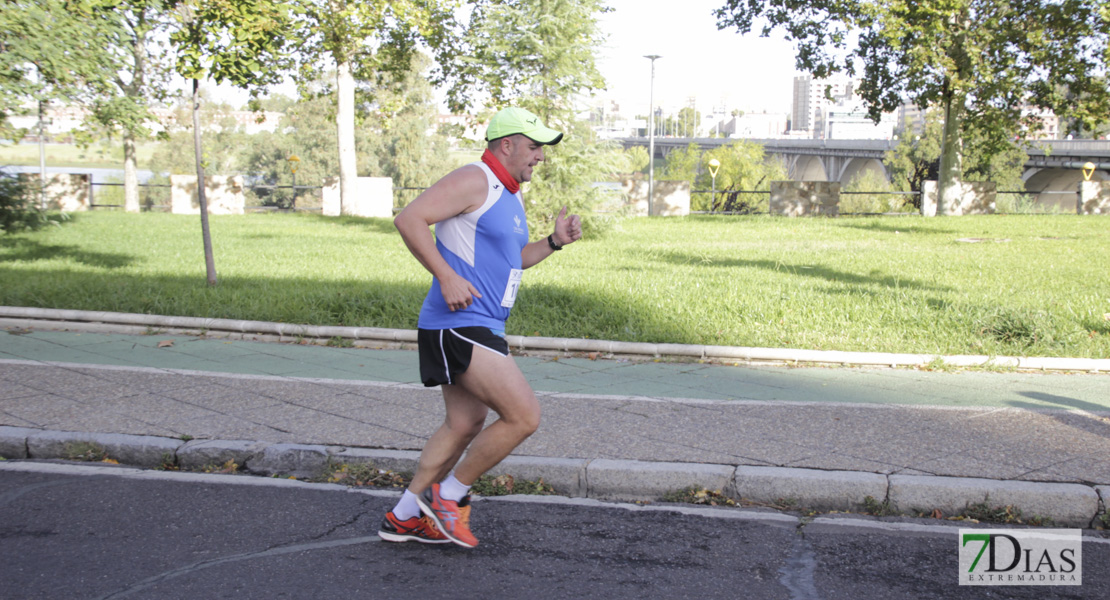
column 476, row 257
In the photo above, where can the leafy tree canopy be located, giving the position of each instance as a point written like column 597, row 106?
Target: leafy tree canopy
column 743, row 166
column 984, row 62
column 916, row 158
column 48, row 50
column 1000, row 54
column 540, row 56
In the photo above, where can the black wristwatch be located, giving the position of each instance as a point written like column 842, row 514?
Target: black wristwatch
column 551, row 242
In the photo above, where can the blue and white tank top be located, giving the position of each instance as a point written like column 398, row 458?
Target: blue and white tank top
column 484, row 248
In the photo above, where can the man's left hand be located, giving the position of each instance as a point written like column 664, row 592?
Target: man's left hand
column 567, row 229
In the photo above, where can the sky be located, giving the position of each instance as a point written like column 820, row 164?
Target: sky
column 719, row 68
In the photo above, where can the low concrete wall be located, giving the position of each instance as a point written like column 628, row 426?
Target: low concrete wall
column 975, row 198
column 67, row 192
column 672, row 198
column 1094, row 198
column 374, row 198
column 805, row 198
column 223, row 192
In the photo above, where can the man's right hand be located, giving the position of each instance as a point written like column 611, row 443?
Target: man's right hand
column 458, row 293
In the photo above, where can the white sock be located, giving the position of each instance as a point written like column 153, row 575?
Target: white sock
column 407, row 507
column 452, row 489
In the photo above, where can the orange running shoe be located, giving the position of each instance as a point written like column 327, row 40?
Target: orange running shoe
column 451, row 518
column 417, row 529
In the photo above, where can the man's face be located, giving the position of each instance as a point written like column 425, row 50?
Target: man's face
column 524, row 155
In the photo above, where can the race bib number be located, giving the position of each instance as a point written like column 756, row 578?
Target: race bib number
column 512, row 288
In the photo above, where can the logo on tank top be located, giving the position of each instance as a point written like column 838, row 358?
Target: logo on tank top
column 517, row 229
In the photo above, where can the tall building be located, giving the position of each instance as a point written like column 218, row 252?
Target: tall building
column 811, row 102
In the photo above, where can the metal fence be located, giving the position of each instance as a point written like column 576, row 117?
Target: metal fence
column 1046, row 202
column 307, row 198
column 260, row 198
column 155, row 197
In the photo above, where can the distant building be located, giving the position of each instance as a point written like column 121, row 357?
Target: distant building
column 830, row 109
column 849, row 121
column 61, row 120
column 762, row 125
column 912, row 118
column 811, row 101
column 1049, row 128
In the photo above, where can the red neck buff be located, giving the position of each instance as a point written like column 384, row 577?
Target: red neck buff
column 498, row 169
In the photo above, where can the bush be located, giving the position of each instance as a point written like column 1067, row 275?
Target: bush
column 17, row 209
column 872, row 203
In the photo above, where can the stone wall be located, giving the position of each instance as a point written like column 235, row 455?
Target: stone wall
column 805, row 198
column 373, row 199
column 1094, row 198
column 223, row 192
column 672, row 198
column 67, row 192
column 975, row 198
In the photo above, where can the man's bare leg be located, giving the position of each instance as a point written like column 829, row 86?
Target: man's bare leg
column 497, row 382
column 466, row 415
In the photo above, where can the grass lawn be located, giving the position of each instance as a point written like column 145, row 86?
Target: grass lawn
column 1030, row 285
column 103, row 155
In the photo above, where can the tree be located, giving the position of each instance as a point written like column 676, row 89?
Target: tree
column 916, row 158
column 540, row 56
column 979, row 61
column 47, row 52
column 872, row 182
column 682, row 165
column 224, row 142
column 637, row 159
column 744, row 167
column 404, row 115
column 238, row 41
column 137, row 68
column 690, row 119
column 367, row 41
column 17, row 206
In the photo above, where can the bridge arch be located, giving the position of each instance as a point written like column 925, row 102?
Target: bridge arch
column 859, row 166
column 808, row 168
column 1057, row 187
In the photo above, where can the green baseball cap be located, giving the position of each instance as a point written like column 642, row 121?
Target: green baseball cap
column 512, row 120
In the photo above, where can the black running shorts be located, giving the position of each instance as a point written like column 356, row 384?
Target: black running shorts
column 445, row 353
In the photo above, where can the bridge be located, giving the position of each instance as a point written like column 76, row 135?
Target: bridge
column 1053, row 170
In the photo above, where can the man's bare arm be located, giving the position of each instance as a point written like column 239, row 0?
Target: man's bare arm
column 567, row 230
column 461, row 191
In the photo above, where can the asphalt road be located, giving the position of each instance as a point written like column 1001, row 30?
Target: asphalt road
column 74, row 531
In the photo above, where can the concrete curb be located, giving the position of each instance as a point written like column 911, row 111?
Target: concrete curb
column 811, row 488
column 139, row 450
column 17, row 316
column 1066, row 504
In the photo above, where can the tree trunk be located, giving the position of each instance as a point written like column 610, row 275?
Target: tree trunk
column 130, row 174
column 202, row 198
column 951, row 154
column 345, row 122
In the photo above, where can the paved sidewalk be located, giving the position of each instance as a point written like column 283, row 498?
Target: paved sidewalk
column 814, row 435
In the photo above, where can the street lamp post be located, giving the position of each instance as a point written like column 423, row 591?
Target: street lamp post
column 293, row 161
column 42, row 156
column 651, row 136
column 714, row 164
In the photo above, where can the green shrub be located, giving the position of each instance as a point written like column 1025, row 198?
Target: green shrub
column 17, row 209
